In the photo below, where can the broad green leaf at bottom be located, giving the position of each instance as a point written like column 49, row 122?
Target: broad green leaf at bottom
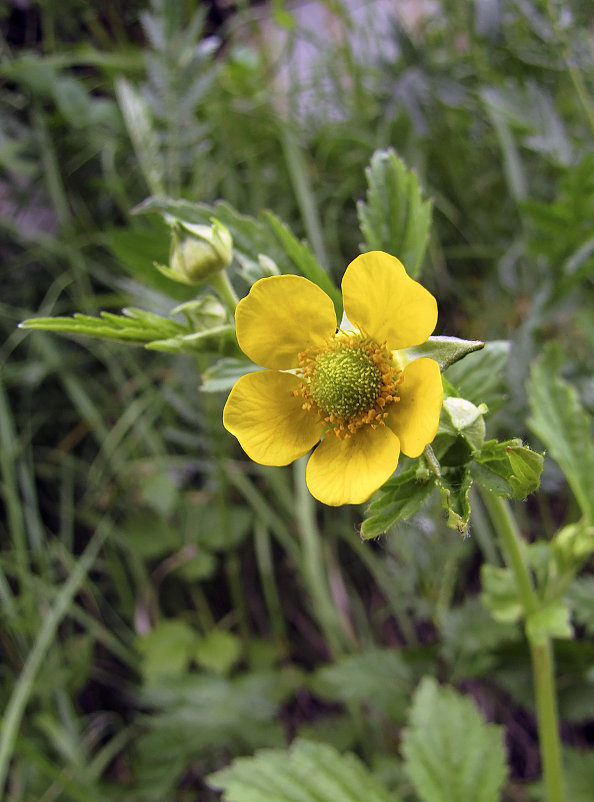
column 450, row 753
column 307, row 772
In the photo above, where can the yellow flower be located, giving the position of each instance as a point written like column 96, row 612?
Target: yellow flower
column 348, row 388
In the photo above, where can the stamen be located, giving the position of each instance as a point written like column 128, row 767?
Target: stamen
column 350, row 382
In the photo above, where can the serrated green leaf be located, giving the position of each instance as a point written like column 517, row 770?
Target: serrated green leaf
column 307, row 772
column 378, row 676
column 444, row 350
column 134, row 326
column 395, row 218
column 218, row 340
column 552, row 621
column 526, row 468
column 400, row 498
column 563, row 425
column 140, row 124
column 454, row 486
column 450, row 753
column 508, row 468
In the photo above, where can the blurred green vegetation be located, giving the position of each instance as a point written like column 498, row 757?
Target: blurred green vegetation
column 158, row 591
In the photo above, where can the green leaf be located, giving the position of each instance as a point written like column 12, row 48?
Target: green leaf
column 551, row 621
column 579, row 774
column 563, row 425
column 444, row 350
column 526, row 468
column 500, row 593
column 471, row 637
column 508, row 469
column 478, row 377
column 141, row 128
column 224, row 373
column 133, row 326
column 218, row 651
column 400, row 497
column 395, row 218
column 218, row 340
column 198, row 715
column 166, row 649
column 379, row 676
column 580, row 595
column 450, row 753
column 454, row 486
column 308, row 772
column 138, row 248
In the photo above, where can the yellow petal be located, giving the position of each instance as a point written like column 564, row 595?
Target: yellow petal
column 381, row 300
column 268, row 421
column 415, row 417
column 281, row 316
column 349, row 471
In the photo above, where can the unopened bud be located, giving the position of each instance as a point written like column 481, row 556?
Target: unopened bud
column 198, row 252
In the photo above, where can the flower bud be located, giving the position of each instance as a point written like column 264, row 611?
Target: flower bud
column 198, row 252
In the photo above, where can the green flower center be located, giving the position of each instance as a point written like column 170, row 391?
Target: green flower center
column 345, row 381
column 350, row 382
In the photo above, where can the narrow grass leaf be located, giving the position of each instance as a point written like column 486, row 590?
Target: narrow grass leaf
column 24, row 686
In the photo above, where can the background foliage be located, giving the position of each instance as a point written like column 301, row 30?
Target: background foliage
column 168, row 606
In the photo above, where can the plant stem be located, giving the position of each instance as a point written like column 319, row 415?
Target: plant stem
column 513, row 548
column 221, row 283
column 548, row 721
column 542, row 653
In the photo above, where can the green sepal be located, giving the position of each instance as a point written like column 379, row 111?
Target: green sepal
column 444, row 350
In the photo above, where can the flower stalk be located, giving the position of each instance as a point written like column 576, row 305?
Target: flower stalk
column 541, row 653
